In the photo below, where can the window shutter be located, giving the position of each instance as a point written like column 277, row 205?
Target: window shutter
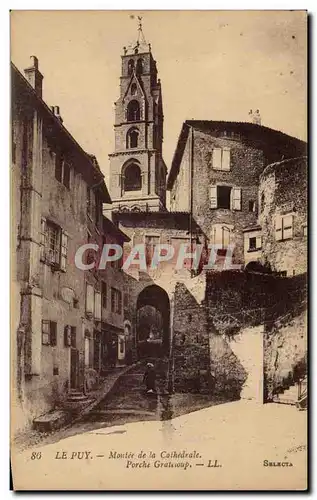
column 226, row 159
column 287, row 227
column 97, row 312
column 43, row 237
column 45, row 332
column 213, row 235
column 87, row 349
column 53, row 333
column 278, row 228
column 64, row 243
column 67, row 336
column 225, row 237
column 259, row 242
column 213, row 197
column 73, row 336
column 236, row 199
column 216, row 159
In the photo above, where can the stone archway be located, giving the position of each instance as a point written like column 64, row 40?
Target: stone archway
column 153, row 321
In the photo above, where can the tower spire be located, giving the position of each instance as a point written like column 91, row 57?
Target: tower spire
column 141, row 37
column 140, row 44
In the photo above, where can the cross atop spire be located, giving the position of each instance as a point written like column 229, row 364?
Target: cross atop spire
column 141, row 37
column 140, row 45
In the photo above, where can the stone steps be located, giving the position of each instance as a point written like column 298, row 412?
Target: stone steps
column 77, row 397
column 123, row 411
column 288, row 397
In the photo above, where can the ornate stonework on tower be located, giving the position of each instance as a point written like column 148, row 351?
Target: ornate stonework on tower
column 137, row 169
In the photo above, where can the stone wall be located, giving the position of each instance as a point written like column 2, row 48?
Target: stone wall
column 190, row 338
column 285, row 353
column 283, row 191
column 240, row 307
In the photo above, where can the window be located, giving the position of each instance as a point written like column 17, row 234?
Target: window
column 255, row 243
column 139, row 66
column 134, row 89
column 104, row 294
column 87, row 351
column 252, row 243
column 225, row 197
column 221, row 159
column 236, row 198
column 90, row 299
column 54, row 244
column 73, row 336
column 221, row 235
column 121, row 345
column 283, row 227
column 116, row 301
column 62, row 170
column 119, row 309
column 49, row 332
column 97, row 311
column 132, row 138
column 133, row 111
column 64, row 244
column 130, row 67
column 251, row 206
column 70, row 336
column 132, row 178
column 150, row 243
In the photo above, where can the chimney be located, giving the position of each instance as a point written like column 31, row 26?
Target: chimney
column 34, row 76
column 55, row 111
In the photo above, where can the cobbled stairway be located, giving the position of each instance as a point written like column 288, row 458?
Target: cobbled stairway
column 130, row 403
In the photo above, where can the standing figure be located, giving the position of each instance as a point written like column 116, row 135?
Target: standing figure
column 149, row 378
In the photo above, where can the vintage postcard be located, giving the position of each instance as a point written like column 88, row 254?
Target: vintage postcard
column 159, row 250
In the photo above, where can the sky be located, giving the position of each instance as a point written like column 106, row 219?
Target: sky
column 213, row 65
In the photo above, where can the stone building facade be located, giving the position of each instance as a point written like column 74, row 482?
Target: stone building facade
column 137, row 169
column 283, row 195
column 231, row 184
column 215, row 175
column 214, row 181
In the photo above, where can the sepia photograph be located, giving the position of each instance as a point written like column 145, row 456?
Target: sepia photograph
column 159, row 250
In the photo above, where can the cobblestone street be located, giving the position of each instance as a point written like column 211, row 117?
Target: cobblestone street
column 130, row 402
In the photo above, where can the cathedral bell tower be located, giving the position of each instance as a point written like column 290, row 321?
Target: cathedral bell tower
column 137, row 170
